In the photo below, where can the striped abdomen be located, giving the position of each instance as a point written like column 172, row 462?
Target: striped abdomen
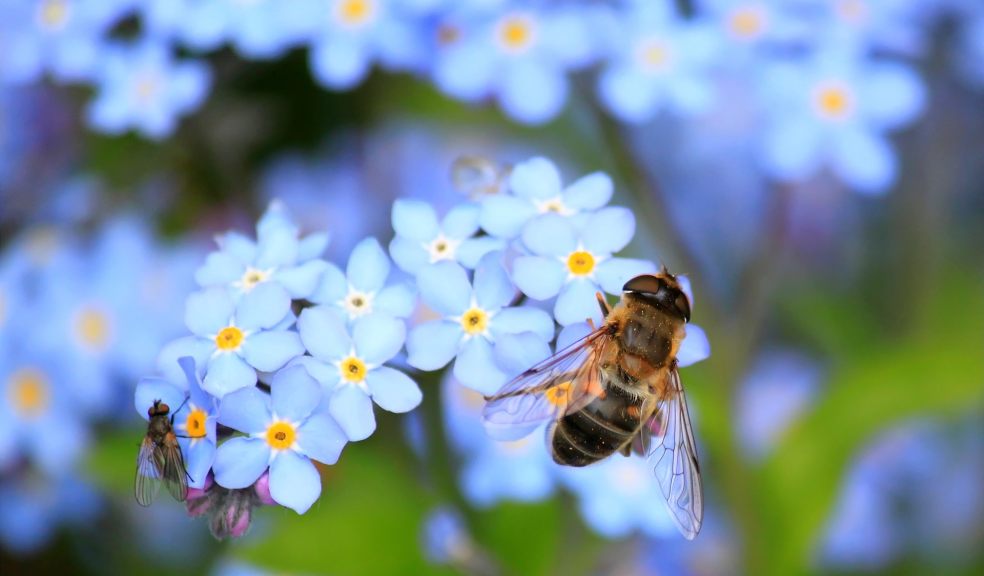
column 597, row 430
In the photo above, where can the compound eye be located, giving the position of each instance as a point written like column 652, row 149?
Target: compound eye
column 151, row 411
column 163, row 408
column 682, row 304
column 646, row 284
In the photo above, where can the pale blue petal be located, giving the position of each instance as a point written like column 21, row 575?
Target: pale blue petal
column 695, row 346
column 514, row 353
column 227, row 372
column 612, row 274
column 332, row 286
column 539, row 278
column 576, row 302
column 415, row 220
column 393, row 390
column 368, row 266
column 574, row 332
column 151, row 389
column 294, row 393
column 536, row 178
column 321, row 438
column 239, row 462
column 263, row 306
column 302, row 280
column 208, row 311
column 550, row 235
column 504, row 216
column 269, row 351
column 324, row 372
column 461, row 221
column 891, row 95
column 239, row 245
column 198, row 348
column 476, row 368
column 378, row 337
column 589, row 192
column 444, row 287
column 201, row 456
column 278, row 248
column 792, row 149
column 294, row 481
column 323, row 333
column 465, row 71
column 533, row 92
column 409, row 255
column 522, row 319
column 352, row 410
column 493, row 288
column 864, row 160
column 339, row 64
column 472, row 250
column 246, row 410
column 312, row 246
column 628, row 94
column 220, row 268
column 608, row 230
column 397, row 300
column 432, row 345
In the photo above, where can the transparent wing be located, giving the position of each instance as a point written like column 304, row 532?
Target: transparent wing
column 175, row 474
column 150, row 468
column 673, row 452
column 563, row 383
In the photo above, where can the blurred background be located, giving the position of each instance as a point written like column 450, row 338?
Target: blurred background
column 816, row 167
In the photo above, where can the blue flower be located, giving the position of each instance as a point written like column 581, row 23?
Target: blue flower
column 142, row 87
column 285, row 431
column 194, row 413
column 969, row 46
column 421, row 240
column 574, row 260
column 659, row 62
column 834, row 110
column 234, row 340
column 537, row 189
column 34, row 507
column 473, row 321
column 362, row 288
column 349, row 365
column 445, row 538
column 279, row 255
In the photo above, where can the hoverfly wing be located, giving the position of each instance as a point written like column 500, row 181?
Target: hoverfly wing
column 150, row 467
column 175, row 474
column 563, row 383
column 674, row 454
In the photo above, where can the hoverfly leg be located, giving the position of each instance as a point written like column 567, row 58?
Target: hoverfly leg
column 174, row 412
column 605, row 308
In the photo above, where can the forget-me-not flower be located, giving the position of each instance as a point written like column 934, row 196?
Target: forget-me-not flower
column 34, row 507
column 285, row 432
column 421, row 239
column 349, row 365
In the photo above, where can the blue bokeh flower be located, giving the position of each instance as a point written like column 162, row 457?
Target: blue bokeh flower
column 141, row 86
column 573, row 260
column 285, row 432
column 473, row 320
column 421, row 239
column 537, row 189
column 349, row 366
column 34, row 507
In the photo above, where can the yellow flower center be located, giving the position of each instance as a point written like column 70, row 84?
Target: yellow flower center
column 560, row 394
column 353, row 369
column 146, row 87
column 654, row 55
column 28, row 390
column 280, row 435
column 195, row 423
column 252, row 277
column 475, row 321
column 355, row 12
column 580, row 263
column 515, row 33
column 229, row 338
column 833, row 101
column 53, row 14
column 92, row 327
column 746, row 22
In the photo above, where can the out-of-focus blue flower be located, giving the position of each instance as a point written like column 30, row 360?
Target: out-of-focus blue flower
column 574, row 260
column 421, row 239
column 141, row 86
column 969, row 44
column 285, row 431
column 35, row 506
column 362, row 288
column 473, row 320
column 279, row 255
column 834, row 111
column 235, row 339
column 349, row 366
column 659, row 61
column 537, row 189
column 779, row 387
column 194, row 412
column 886, row 25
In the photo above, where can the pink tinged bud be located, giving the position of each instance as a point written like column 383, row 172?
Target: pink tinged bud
column 198, row 503
column 262, row 488
column 237, row 520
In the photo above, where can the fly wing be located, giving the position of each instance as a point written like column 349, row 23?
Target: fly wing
column 674, row 455
column 561, row 384
column 150, row 469
column 175, row 474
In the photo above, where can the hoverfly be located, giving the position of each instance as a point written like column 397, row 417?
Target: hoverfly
column 160, row 458
column 617, row 390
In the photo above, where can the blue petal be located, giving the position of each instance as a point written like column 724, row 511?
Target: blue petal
column 461, row 221
column 150, row 389
column 533, row 92
column 321, row 438
column 263, row 306
column 208, row 311
column 472, row 250
column 864, row 160
column 338, row 63
column 393, row 390
column 792, row 149
column 514, row 353
column 368, row 266
column 226, row 373
column 378, row 337
column 522, row 319
column 476, row 368
column 695, row 346
column 323, row 333
column 332, row 286
column 269, row 351
column 220, row 268
column 493, row 289
column 415, row 220
column 574, row 332
column 589, row 192
column 432, row 345
column 465, row 71
column 444, row 287
column 302, row 280
column 277, row 248
column 294, row 394
column 539, row 278
column 504, row 216
column 246, row 410
column 294, row 481
column 891, row 95
column 628, row 94
column 240, row 246
column 240, row 461
column 608, row 230
column 612, row 274
column 201, row 456
column 198, row 348
column 409, row 255
column 576, row 302
column 312, row 246
column 536, row 178
column 325, row 373
column 397, row 300
column 352, row 410
column 552, row 235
